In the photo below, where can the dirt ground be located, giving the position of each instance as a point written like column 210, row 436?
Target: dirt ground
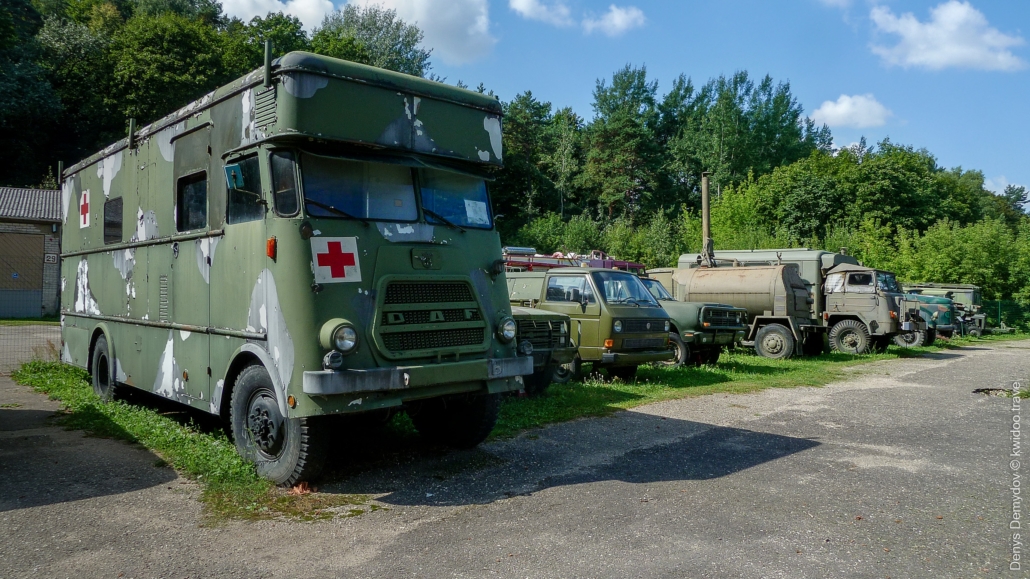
column 901, row 470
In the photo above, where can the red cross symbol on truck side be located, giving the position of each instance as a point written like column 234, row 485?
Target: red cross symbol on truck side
column 84, row 210
column 335, row 259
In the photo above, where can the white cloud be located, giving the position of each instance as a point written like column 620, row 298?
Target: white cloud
column 310, row 12
column 957, row 35
column 616, row 21
column 997, row 184
column 458, row 31
column 858, row 111
column 557, row 13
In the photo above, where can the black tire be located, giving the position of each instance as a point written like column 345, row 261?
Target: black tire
column 681, row 351
column 975, row 332
column 945, row 335
column 850, row 337
column 814, row 345
column 931, row 337
column 711, row 356
column 461, row 421
column 880, row 344
column 624, row 373
column 567, row 372
column 103, row 371
column 774, row 341
column 284, row 450
column 910, row 339
column 537, row 382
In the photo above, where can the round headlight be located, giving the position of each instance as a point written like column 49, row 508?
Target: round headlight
column 345, row 339
column 666, row 325
column 617, row 326
column 506, row 331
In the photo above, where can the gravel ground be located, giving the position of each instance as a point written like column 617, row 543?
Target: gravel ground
column 898, row 471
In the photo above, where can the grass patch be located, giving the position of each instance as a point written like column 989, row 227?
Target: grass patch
column 231, row 487
column 52, row 321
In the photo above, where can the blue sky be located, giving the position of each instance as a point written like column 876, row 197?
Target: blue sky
column 948, row 75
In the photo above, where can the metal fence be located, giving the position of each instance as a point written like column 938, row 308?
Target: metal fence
column 22, row 343
column 1012, row 313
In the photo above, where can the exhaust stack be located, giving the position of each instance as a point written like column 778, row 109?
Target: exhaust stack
column 707, row 246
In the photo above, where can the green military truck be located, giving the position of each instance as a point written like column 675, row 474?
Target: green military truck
column 545, row 337
column 970, row 318
column 617, row 324
column 865, row 312
column 699, row 330
column 314, row 238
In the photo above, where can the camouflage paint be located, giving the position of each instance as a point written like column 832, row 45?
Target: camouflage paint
column 184, row 311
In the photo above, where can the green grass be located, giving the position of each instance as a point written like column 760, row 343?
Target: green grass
column 51, row 321
column 232, row 489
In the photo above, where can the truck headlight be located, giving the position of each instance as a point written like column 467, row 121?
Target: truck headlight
column 345, row 339
column 666, row 325
column 506, row 329
column 617, row 326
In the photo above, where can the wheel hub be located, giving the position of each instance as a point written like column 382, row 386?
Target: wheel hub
column 772, row 344
column 850, row 340
column 265, row 425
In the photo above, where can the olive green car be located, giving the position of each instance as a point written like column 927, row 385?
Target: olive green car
column 699, row 331
column 617, row 323
column 545, row 337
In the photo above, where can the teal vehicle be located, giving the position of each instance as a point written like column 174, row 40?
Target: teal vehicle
column 939, row 314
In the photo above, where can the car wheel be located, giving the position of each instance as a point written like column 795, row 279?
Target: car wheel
column 910, row 339
column 104, row 383
column 680, row 350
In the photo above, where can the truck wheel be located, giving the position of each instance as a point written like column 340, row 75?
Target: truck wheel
column 774, row 341
column 537, row 382
column 849, row 337
column 566, row 372
column 814, row 345
column 681, row 352
column 880, row 344
column 975, row 332
column 104, row 383
column 461, row 421
column 625, row 373
column 931, row 337
column 711, row 356
column 284, row 450
column 910, row 339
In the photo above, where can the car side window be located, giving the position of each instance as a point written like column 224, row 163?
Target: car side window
column 245, row 200
column 860, row 283
column 191, row 202
column 834, row 283
column 569, row 288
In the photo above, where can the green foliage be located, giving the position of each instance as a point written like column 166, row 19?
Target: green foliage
column 243, row 44
column 379, row 38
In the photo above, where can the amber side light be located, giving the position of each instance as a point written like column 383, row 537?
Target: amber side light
column 270, row 247
column 291, row 401
column 609, row 343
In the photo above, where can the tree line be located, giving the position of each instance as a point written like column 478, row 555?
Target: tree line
column 625, row 180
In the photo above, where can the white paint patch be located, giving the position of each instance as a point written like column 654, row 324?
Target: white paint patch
column 183, row 334
column 164, row 140
column 84, row 302
column 407, row 108
column 119, row 372
column 64, row 282
column 66, row 198
column 356, row 401
column 249, row 132
column 164, row 383
column 492, row 125
column 266, row 315
column 483, row 155
column 107, row 168
column 66, row 354
column 303, row 85
column 216, row 396
column 146, row 225
column 206, row 256
column 417, row 101
column 316, row 232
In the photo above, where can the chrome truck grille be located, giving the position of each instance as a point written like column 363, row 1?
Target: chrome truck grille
column 543, row 335
column 421, row 319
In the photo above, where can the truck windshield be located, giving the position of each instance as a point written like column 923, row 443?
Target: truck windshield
column 657, row 290
column 886, row 282
column 623, row 288
column 455, row 198
column 335, row 187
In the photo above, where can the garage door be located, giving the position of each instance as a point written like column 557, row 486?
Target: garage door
column 21, row 275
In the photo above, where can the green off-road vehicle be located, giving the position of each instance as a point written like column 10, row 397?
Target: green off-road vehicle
column 617, row 323
column 939, row 314
column 699, row 331
column 544, row 336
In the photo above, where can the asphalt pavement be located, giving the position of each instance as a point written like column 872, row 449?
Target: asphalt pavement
column 901, row 470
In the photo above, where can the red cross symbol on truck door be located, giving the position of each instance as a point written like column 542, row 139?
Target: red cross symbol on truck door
column 84, row 209
column 335, row 259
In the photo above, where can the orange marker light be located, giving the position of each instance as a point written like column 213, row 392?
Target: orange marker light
column 291, row 401
column 609, row 343
column 270, row 247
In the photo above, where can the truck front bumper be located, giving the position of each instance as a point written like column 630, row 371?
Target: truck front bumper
column 945, row 328
column 328, row 382
column 715, row 337
column 635, row 358
column 543, row 358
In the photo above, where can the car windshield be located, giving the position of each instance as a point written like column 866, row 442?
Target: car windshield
column 657, row 289
column 455, row 199
column 343, row 188
column 623, row 288
column 887, row 282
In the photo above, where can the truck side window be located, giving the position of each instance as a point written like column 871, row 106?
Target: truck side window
column 860, row 283
column 113, row 220
column 569, row 288
column 284, row 183
column 245, row 201
column 191, row 202
column 834, row 283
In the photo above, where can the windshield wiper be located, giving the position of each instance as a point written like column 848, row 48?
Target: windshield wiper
column 442, row 219
column 339, row 212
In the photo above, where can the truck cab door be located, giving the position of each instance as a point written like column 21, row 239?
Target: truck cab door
column 574, row 296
